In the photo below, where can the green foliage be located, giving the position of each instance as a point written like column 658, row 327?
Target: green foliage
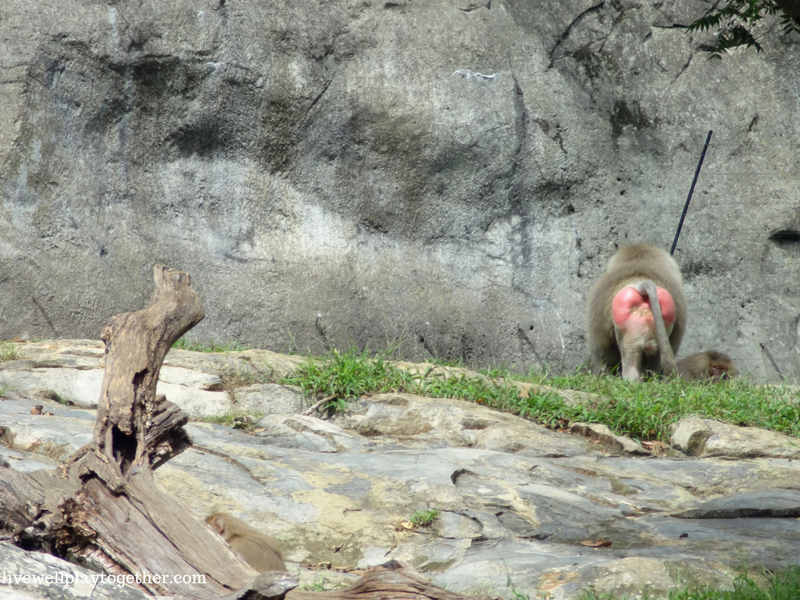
column 291, row 347
column 440, row 362
column 234, row 420
column 644, row 410
column 8, row 352
column 468, row 388
column 322, row 584
column 736, row 22
column 341, row 376
column 647, row 410
column 424, row 518
column 195, row 346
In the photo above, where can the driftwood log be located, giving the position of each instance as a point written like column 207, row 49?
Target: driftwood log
column 104, row 508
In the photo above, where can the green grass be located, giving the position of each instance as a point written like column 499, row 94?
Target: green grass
column 322, row 584
column 348, row 375
column 343, row 376
column 644, row 411
column 784, row 585
column 424, row 518
column 234, row 420
column 440, row 362
column 8, row 352
column 211, row 346
column 648, row 409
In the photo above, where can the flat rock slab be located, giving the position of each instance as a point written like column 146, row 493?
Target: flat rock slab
column 707, row 437
column 519, row 504
column 71, row 371
column 333, row 496
column 418, row 421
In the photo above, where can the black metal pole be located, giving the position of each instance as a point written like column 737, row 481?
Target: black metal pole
column 691, row 191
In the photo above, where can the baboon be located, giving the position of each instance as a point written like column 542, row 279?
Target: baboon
column 708, row 366
column 258, row 550
column 636, row 314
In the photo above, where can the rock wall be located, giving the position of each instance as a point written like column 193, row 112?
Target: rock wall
column 451, row 174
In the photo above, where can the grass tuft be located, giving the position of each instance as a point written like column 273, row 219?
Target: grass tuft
column 424, row 518
column 235, row 420
column 9, row 352
column 343, row 376
column 195, row 346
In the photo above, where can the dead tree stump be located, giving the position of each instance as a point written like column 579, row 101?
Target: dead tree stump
column 136, row 345
column 104, row 507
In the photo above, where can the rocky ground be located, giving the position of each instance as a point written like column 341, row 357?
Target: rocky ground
column 520, row 507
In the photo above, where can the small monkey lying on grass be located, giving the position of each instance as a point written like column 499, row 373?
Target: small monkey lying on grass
column 707, row 366
column 258, row 550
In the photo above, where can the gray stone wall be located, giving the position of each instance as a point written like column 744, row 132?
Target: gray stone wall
column 452, row 174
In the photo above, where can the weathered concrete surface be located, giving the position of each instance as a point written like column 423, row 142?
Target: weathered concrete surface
column 517, row 502
column 452, row 174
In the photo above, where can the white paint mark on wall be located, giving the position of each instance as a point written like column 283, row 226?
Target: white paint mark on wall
column 467, row 74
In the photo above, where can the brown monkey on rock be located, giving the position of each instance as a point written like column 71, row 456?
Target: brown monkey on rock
column 258, row 550
column 707, row 366
column 636, row 314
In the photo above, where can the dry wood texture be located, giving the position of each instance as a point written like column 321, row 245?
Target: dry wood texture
column 136, row 344
column 104, row 506
column 122, row 518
